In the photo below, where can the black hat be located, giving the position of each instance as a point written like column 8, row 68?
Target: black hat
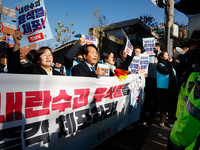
column 195, row 38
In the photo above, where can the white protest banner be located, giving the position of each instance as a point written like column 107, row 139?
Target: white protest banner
column 135, row 65
column 107, row 69
column 128, row 48
column 59, row 112
column 31, row 18
column 144, row 63
column 149, row 45
column 137, row 86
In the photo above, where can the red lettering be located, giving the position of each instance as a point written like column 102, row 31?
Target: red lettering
column 103, row 134
column 2, row 117
column 109, row 130
column 37, row 99
column 118, row 92
column 13, row 106
column 110, row 92
column 82, row 100
column 61, row 106
column 99, row 94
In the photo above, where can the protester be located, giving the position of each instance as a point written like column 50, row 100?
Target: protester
column 151, row 103
column 59, row 67
column 124, row 60
column 73, row 56
column 137, row 51
column 43, row 59
column 108, row 58
column 87, row 68
column 30, row 56
column 166, row 88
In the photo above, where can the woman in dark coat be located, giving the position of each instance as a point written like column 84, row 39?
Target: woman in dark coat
column 43, row 60
column 167, row 85
column 108, row 58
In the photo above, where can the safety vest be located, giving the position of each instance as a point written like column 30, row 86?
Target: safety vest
column 186, row 129
column 163, row 80
column 184, row 93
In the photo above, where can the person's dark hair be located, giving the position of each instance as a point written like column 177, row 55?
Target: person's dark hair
column 30, row 55
column 39, row 52
column 106, row 54
column 161, row 55
column 157, row 44
column 84, row 49
column 122, row 49
column 138, row 47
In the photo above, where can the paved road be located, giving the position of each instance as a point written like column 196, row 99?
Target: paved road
column 138, row 136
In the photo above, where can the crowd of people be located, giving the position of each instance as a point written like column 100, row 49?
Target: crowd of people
column 167, row 89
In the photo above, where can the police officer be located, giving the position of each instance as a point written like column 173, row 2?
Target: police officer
column 185, row 132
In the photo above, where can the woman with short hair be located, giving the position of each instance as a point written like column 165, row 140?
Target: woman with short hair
column 43, row 59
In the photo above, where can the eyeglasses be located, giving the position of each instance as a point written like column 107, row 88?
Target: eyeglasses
column 47, row 55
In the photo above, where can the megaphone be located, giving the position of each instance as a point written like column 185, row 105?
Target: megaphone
column 179, row 51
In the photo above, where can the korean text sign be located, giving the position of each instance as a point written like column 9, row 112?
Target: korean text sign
column 144, row 63
column 135, row 65
column 149, row 44
column 128, row 47
column 90, row 40
column 31, row 18
column 58, row 112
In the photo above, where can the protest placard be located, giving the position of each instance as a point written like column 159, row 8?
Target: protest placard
column 88, row 39
column 134, row 66
column 149, row 45
column 107, row 69
column 144, row 63
column 128, row 48
column 31, row 18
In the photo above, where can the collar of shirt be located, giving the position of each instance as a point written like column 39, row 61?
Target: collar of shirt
column 50, row 73
column 89, row 66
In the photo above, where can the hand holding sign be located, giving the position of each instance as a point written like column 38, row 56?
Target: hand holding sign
column 17, row 36
column 81, row 40
column 100, row 71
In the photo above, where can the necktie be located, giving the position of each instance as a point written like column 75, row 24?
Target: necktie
column 92, row 68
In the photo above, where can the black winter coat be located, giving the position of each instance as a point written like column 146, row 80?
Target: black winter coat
column 167, row 98
column 14, row 65
column 121, row 63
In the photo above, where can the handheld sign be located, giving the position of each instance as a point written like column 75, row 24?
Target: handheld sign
column 149, row 44
column 128, row 48
column 31, row 18
column 134, row 66
column 144, row 63
column 107, row 70
column 88, row 39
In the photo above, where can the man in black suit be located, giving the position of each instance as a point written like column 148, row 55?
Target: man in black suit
column 87, row 67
